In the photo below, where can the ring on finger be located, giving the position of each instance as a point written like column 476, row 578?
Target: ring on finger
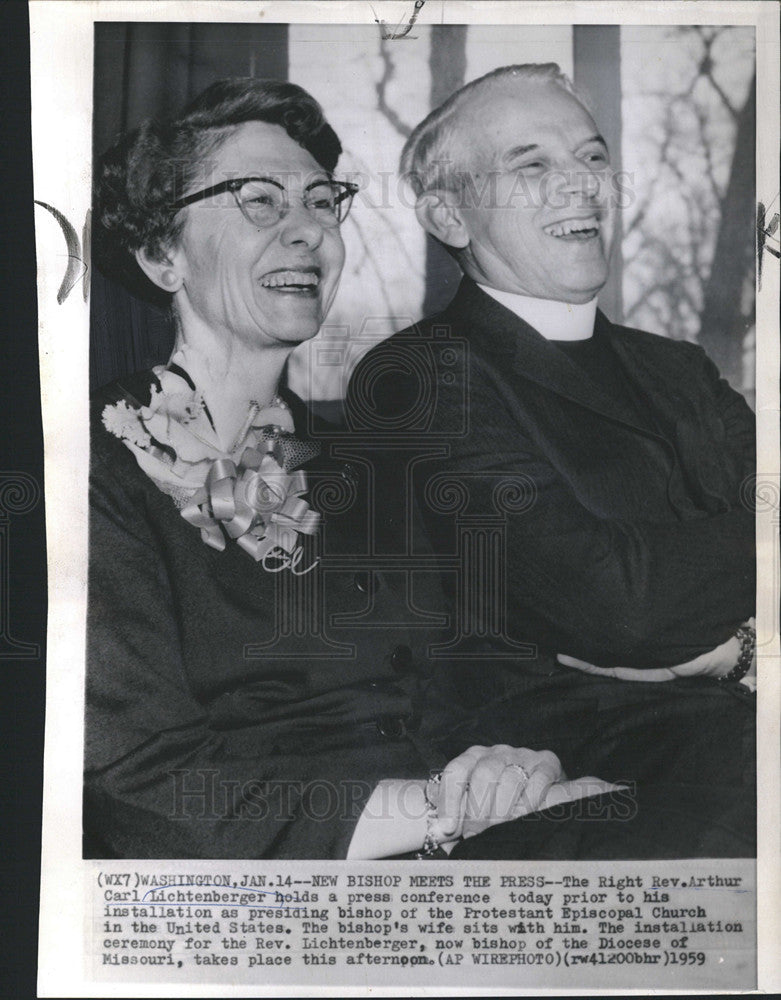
column 520, row 769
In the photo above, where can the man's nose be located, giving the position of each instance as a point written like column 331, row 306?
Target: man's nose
column 300, row 226
column 579, row 179
column 571, row 185
column 591, row 183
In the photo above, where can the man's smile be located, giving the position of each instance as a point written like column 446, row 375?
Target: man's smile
column 576, row 230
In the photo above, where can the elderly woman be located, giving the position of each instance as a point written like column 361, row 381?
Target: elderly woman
column 227, row 713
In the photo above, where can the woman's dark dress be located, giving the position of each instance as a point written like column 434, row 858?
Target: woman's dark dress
column 230, row 712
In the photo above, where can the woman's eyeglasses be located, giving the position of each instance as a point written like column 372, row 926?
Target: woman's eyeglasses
column 263, row 201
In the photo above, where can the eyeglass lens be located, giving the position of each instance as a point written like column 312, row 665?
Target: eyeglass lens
column 264, row 203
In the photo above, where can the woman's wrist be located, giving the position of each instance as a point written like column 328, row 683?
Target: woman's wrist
column 394, row 821
column 436, row 842
column 746, row 639
column 399, row 818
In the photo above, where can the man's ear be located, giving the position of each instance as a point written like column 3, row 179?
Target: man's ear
column 161, row 271
column 439, row 216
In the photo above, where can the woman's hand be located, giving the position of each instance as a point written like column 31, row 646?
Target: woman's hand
column 715, row 663
column 488, row 785
column 479, row 788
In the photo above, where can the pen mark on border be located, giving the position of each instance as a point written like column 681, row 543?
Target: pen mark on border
column 75, row 258
column 260, row 904
column 396, row 34
column 766, row 230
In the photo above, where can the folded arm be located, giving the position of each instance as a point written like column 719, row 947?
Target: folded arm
column 633, row 593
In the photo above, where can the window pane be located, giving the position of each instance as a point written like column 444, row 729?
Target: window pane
column 373, row 95
column 688, row 223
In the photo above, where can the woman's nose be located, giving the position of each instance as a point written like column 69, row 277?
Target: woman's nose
column 300, row 226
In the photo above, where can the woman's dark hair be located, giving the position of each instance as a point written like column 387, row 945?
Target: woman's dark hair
column 148, row 169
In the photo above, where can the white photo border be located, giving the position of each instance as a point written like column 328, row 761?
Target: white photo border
column 61, row 72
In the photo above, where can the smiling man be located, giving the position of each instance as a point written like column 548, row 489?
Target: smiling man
column 587, row 478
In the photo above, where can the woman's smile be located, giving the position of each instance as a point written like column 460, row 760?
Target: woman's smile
column 296, row 281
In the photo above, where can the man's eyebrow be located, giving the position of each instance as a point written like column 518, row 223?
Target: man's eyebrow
column 595, row 138
column 519, row 151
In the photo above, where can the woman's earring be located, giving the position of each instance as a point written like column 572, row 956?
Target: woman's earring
column 169, row 278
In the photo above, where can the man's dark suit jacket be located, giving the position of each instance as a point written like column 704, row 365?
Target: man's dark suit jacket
column 618, row 531
column 622, row 543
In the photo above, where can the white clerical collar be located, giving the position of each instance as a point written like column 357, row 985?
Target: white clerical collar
column 554, row 320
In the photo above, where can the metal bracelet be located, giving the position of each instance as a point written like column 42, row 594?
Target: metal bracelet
column 431, row 846
column 434, row 779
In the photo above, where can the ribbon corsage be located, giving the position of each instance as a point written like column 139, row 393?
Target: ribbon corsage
column 255, row 501
column 253, row 493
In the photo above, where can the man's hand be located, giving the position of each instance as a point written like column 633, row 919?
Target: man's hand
column 715, row 663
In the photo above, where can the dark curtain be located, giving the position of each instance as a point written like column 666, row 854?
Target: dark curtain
column 148, row 70
column 448, row 71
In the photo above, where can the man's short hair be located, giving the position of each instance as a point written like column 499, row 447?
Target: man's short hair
column 429, row 159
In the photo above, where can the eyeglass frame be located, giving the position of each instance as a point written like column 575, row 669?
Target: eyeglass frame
column 235, row 184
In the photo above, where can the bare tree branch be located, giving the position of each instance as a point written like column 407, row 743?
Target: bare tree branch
column 639, row 216
column 390, row 226
column 388, row 72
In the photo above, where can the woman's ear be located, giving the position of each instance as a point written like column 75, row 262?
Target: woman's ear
column 439, row 216
column 162, row 272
